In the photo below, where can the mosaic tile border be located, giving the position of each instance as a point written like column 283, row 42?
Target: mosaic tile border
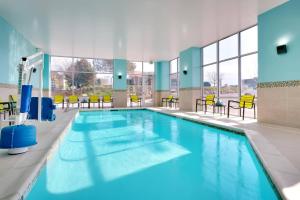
column 294, row 83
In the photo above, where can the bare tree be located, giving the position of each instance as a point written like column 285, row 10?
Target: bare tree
column 213, row 78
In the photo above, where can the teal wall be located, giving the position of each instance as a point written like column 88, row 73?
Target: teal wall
column 120, row 66
column 162, row 75
column 13, row 46
column 280, row 25
column 46, row 72
column 190, row 59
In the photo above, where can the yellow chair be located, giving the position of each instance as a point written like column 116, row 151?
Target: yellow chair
column 4, row 108
column 135, row 99
column 73, row 99
column 245, row 102
column 59, row 99
column 209, row 100
column 107, row 99
column 94, row 99
column 167, row 100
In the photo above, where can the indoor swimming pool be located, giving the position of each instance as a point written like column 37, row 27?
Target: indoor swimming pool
column 145, row 155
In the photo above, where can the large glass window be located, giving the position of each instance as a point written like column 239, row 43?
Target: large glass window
column 60, row 83
column 103, row 81
column 249, row 40
column 249, row 74
column 61, row 75
column 81, row 76
column 140, row 80
column 210, row 79
column 228, row 47
column 210, row 54
column 230, row 67
column 148, row 82
column 134, row 79
column 228, row 79
column 174, row 79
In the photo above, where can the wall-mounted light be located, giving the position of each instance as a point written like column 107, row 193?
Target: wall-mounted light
column 281, row 49
column 120, row 75
column 185, row 71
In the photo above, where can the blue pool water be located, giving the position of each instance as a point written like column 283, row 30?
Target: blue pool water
column 143, row 155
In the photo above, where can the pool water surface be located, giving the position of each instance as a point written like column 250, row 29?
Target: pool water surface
column 144, row 155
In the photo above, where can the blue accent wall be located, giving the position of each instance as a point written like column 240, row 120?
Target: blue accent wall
column 120, row 66
column 13, row 46
column 162, row 75
column 46, row 72
column 275, row 27
column 191, row 60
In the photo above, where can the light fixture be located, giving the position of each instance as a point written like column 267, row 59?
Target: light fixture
column 185, row 71
column 281, row 49
column 120, row 75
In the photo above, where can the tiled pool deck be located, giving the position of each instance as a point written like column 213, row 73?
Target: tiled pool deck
column 277, row 147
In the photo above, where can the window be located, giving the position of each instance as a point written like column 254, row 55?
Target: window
column 174, row 80
column 249, row 74
column 227, row 72
column 61, row 63
column 60, row 83
column 103, row 80
column 210, row 79
column 210, row 54
column 134, row 79
column 81, row 76
column 61, row 75
column 140, row 81
column 148, row 80
column 229, row 47
column 249, row 41
column 228, row 78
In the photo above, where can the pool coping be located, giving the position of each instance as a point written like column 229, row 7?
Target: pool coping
column 256, row 140
column 25, row 187
column 52, row 150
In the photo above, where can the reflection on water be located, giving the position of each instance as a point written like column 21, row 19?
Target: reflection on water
column 145, row 155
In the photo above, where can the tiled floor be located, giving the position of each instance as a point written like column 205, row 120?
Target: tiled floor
column 278, row 148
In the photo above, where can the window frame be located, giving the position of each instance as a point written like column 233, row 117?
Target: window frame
column 218, row 61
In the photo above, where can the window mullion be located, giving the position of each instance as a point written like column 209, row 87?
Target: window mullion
column 239, row 65
column 218, row 70
column 177, row 89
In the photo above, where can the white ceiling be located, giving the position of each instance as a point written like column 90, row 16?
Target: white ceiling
column 133, row 29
